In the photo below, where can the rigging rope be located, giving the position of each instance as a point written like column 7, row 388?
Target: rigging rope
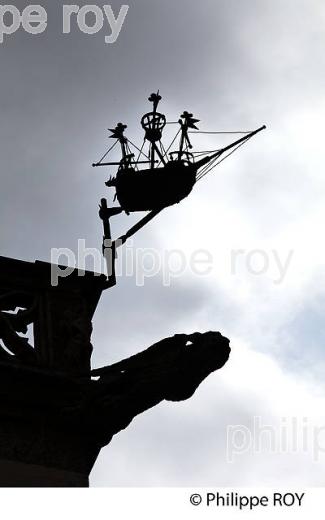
column 171, row 144
column 162, row 149
column 140, row 151
column 206, row 169
column 204, row 152
column 214, row 164
column 234, row 132
column 109, row 150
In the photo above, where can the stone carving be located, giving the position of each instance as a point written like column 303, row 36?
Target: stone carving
column 55, row 412
column 171, row 370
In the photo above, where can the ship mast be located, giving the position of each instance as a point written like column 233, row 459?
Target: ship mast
column 118, row 133
column 153, row 124
column 189, row 122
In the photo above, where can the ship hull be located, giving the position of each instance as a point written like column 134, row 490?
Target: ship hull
column 152, row 189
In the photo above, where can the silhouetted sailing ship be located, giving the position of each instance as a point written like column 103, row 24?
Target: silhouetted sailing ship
column 169, row 176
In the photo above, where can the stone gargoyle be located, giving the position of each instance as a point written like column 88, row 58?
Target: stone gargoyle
column 171, row 370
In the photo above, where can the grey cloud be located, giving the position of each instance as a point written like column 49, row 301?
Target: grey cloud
column 234, row 64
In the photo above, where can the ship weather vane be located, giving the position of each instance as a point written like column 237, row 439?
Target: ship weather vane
column 151, row 178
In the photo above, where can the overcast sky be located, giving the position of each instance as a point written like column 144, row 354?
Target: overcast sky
column 236, row 64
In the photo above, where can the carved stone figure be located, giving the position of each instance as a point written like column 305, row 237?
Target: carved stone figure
column 55, row 412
